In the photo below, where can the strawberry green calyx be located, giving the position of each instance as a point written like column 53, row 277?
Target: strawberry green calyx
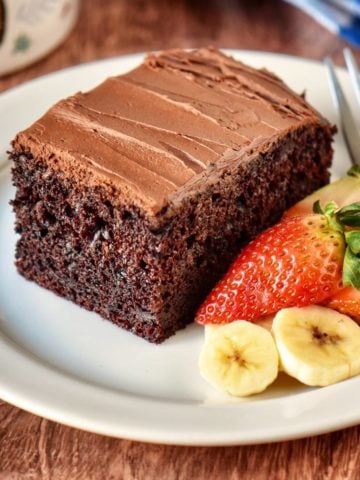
column 330, row 212
column 329, row 208
column 340, row 220
column 353, row 240
column 349, row 216
column 354, row 171
column 351, row 269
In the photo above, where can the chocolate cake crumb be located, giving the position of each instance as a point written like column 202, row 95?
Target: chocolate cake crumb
column 133, row 199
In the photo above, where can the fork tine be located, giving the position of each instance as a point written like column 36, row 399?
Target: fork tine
column 348, row 125
column 353, row 71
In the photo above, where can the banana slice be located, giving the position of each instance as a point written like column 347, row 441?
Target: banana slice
column 317, row 345
column 266, row 322
column 239, row 358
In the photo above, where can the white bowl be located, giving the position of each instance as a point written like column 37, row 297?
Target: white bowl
column 31, row 28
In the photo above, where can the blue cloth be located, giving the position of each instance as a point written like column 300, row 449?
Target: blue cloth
column 340, row 16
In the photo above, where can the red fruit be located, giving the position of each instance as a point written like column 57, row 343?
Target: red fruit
column 297, row 262
column 347, row 301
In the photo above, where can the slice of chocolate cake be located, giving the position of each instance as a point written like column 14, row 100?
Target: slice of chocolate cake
column 132, row 199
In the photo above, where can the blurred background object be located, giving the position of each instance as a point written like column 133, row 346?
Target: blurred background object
column 341, row 17
column 29, row 29
column 107, row 28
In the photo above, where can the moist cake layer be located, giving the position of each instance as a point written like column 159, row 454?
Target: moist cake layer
column 132, row 199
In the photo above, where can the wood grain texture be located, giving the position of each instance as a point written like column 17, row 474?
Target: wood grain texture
column 34, row 448
column 116, row 27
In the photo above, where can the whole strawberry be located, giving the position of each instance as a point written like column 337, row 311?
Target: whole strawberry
column 301, row 261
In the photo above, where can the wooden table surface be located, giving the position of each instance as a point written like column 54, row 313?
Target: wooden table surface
column 34, row 448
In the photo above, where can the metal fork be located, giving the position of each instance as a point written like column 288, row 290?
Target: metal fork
column 347, row 122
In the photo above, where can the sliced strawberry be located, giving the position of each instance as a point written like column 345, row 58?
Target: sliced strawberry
column 297, row 262
column 347, row 301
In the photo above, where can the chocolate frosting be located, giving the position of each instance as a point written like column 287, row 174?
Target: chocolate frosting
column 168, row 127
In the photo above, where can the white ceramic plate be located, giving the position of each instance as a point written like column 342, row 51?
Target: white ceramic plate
column 66, row 364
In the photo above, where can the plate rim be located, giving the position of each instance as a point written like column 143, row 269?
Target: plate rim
column 142, row 54
column 12, row 353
